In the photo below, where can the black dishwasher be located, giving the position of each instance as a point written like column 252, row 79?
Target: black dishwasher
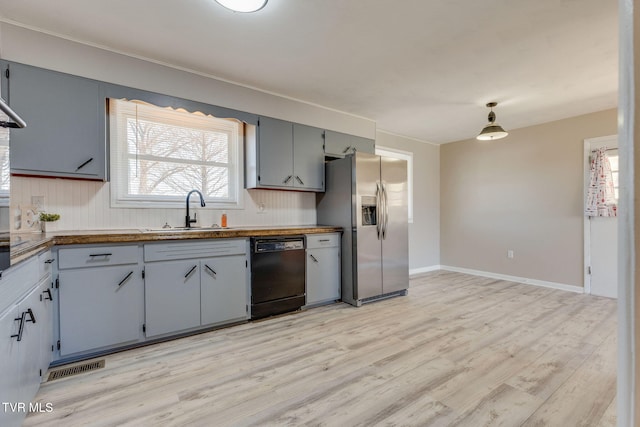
column 277, row 275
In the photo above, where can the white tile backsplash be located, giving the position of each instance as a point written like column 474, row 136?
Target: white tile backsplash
column 85, row 205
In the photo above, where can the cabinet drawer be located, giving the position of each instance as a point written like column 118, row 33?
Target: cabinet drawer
column 45, row 263
column 97, row 256
column 193, row 250
column 323, row 240
column 16, row 281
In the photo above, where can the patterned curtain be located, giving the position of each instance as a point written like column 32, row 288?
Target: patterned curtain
column 601, row 199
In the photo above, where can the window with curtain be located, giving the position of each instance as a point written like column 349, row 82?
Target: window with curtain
column 615, row 169
column 160, row 154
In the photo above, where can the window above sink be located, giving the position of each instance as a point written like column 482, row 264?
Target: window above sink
column 159, row 154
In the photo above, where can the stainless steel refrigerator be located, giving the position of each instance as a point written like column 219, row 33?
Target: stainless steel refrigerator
column 367, row 196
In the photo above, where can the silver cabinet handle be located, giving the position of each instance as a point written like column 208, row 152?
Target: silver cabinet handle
column 32, row 317
column 84, row 164
column 50, row 261
column 125, row 279
column 287, row 179
column 299, row 180
column 186, row 276
column 211, row 270
column 21, row 327
column 313, row 258
column 105, row 255
column 346, row 150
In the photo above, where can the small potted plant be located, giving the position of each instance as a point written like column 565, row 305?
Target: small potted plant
column 47, row 221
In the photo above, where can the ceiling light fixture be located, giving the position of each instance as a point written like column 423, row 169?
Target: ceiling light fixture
column 243, row 5
column 492, row 130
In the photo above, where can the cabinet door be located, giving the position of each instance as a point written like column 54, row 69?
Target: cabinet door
column 46, row 336
column 363, row 145
column 35, row 323
column 65, row 133
column 10, row 366
column 275, row 152
column 339, row 144
column 308, row 157
column 323, row 275
column 99, row 307
column 223, row 289
column 172, row 296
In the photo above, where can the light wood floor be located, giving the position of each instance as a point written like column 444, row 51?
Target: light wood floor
column 458, row 350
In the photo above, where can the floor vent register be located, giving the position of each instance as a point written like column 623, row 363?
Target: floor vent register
column 76, row 369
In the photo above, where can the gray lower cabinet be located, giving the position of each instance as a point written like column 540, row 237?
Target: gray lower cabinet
column 65, row 116
column 223, row 292
column 25, row 343
column 172, row 296
column 339, row 144
column 323, row 268
column 195, row 284
column 10, row 373
column 285, row 155
column 101, row 298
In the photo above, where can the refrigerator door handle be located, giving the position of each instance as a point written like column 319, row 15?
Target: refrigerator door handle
column 385, row 199
column 378, row 209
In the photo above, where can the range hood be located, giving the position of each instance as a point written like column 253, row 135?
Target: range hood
column 14, row 120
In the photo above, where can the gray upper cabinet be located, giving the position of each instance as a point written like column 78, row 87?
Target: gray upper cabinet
column 285, row 155
column 275, row 151
column 308, row 157
column 65, row 116
column 339, row 144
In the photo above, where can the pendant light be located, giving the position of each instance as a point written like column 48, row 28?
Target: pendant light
column 243, row 5
column 492, row 130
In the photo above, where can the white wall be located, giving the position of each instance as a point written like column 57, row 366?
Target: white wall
column 424, row 232
column 628, row 411
column 85, row 205
column 522, row 193
column 42, row 50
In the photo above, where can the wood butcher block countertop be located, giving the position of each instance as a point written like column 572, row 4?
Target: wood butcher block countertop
column 24, row 245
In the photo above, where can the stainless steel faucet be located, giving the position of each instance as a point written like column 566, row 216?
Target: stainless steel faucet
column 188, row 220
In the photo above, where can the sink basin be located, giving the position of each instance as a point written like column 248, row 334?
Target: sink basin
column 182, row 229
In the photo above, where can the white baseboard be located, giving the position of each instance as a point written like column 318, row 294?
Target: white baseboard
column 416, row 271
column 524, row 280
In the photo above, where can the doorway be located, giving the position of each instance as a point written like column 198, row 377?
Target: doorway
column 601, row 233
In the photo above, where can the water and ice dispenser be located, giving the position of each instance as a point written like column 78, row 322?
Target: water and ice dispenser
column 369, row 213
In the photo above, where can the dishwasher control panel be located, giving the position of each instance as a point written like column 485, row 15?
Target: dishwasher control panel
column 278, row 245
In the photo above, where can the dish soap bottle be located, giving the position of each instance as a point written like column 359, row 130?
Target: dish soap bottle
column 223, row 220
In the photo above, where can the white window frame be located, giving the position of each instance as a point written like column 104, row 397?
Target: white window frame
column 402, row 155
column 119, row 159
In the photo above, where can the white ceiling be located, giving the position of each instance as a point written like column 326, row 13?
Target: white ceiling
column 420, row 68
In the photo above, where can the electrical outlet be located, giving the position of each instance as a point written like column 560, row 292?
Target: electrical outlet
column 510, row 254
column 38, row 203
column 261, row 208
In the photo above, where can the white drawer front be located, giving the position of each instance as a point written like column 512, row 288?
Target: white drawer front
column 45, row 263
column 97, row 256
column 16, row 281
column 193, row 250
column 323, row 240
